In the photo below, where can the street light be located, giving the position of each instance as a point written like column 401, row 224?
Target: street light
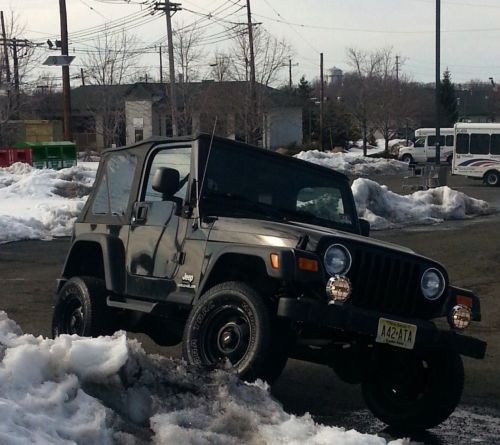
column 438, row 80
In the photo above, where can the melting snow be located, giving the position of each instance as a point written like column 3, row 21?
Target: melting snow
column 107, row 390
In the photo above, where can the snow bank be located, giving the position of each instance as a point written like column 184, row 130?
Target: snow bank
column 353, row 164
column 40, row 204
column 107, row 390
column 385, row 209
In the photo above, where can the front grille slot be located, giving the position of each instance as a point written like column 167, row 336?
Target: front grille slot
column 387, row 283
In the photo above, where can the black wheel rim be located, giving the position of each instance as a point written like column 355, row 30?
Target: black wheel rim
column 492, row 179
column 72, row 320
column 225, row 335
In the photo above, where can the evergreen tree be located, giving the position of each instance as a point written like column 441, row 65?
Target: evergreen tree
column 448, row 100
column 309, row 114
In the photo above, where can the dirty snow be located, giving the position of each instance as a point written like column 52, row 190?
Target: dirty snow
column 385, row 209
column 41, row 204
column 354, row 164
column 107, row 390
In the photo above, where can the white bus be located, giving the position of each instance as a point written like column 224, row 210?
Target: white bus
column 477, row 152
column 424, row 148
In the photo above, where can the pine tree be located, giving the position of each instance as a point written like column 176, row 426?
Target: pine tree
column 448, row 100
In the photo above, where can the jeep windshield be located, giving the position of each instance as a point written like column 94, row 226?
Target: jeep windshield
column 243, row 182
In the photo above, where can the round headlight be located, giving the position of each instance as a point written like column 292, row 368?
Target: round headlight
column 337, row 260
column 432, row 284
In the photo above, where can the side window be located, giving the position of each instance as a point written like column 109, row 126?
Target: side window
column 462, row 144
column 450, row 140
column 495, row 144
column 480, row 144
column 431, row 141
column 113, row 194
column 420, row 142
column 177, row 158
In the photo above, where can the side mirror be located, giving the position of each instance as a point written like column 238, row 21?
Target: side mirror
column 166, row 181
column 364, row 226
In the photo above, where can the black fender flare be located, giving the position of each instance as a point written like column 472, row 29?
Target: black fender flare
column 113, row 258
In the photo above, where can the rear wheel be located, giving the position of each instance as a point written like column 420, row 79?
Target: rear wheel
column 492, row 178
column 81, row 308
column 231, row 326
column 411, row 391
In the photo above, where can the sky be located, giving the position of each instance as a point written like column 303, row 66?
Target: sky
column 470, row 30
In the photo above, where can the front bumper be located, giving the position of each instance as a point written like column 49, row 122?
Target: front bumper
column 365, row 322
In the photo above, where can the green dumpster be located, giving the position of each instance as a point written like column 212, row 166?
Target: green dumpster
column 38, row 150
column 55, row 155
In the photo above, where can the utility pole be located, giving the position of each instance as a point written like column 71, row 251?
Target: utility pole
column 161, row 67
column 170, row 9
column 397, row 69
column 290, row 74
column 16, row 75
column 82, row 77
column 321, row 104
column 253, row 92
column 5, row 49
column 438, row 80
column 65, row 71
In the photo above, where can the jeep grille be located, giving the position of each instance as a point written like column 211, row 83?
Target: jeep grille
column 388, row 282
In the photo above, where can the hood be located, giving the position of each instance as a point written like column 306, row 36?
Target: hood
column 259, row 232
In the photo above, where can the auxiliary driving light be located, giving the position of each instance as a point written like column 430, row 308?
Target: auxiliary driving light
column 459, row 317
column 338, row 289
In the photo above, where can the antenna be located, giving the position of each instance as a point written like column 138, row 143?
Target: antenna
column 208, row 155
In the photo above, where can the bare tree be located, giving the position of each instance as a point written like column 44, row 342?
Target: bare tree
column 271, row 56
column 221, row 68
column 188, row 51
column 13, row 98
column 112, row 59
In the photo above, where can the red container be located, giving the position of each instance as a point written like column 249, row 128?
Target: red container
column 22, row 155
column 6, row 157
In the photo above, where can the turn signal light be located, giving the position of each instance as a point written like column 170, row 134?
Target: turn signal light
column 464, row 301
column 308, row 264
column 275, row 261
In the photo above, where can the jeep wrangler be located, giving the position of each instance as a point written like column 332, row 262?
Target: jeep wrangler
column 249, row 257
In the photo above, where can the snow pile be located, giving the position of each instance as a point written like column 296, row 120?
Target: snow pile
column 107, row 390
column 40, row 204
column 385, row 209
column 353, row 164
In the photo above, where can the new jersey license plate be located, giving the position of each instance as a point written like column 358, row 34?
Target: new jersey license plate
column 396, row 333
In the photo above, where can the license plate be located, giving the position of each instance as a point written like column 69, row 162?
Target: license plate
column 396, row 333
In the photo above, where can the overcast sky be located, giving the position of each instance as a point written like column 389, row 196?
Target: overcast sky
column 470, row 38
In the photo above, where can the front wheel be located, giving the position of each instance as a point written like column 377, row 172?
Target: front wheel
column 81, row 308
column 231, row 326
column 492, row 178
column 407, row 158
column 411, row 391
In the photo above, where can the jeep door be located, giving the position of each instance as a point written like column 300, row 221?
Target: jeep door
column 156, row 231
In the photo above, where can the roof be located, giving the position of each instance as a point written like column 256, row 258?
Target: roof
column 98, row 97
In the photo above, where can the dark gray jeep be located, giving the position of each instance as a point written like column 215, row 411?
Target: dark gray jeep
column 248, row 257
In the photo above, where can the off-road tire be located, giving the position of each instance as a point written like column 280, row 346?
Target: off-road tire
column 428, row 396
column 232, row 326
column 81, row 309
column 492, row 178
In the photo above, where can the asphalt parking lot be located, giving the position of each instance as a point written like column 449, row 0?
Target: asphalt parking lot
column 469, row 249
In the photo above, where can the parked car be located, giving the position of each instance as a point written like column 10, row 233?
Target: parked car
column 249, row 257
